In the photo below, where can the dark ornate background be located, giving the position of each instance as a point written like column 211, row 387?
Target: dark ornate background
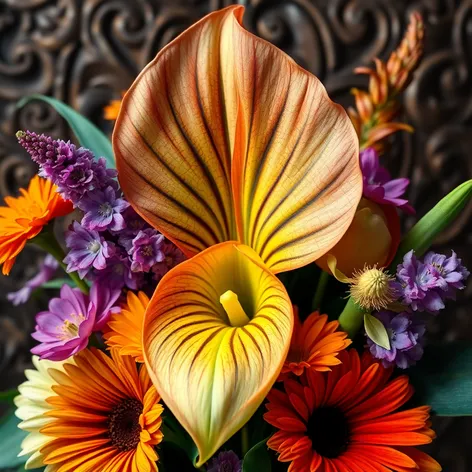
column 86, row 52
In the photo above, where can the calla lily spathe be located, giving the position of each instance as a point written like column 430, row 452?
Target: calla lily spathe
column 228, row 147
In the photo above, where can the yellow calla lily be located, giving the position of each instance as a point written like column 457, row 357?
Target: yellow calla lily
column 214, row 362
column 223, row 138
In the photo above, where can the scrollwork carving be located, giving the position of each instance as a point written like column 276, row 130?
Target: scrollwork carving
column 87, row 52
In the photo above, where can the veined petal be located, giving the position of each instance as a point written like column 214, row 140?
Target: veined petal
column 172, row 137
column 213, row 376
column 296, row 176
column 223, row 137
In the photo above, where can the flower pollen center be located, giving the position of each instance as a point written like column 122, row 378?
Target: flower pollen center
column 372, row 289
column 93, row 246
column 147, row 250
column 439, row 268
column 70, row 327
column 123, row 424
column 105, row 209
column 329, row 432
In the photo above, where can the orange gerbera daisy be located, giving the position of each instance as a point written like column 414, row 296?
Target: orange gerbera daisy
column 315, row 345
column 125, row 328
column 104, row 415
column 346, row 420
column 25, row 216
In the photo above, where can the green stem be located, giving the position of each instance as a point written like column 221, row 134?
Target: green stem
column 320, row 290
column 351, row 318
column 244, row 440
column 48, row 242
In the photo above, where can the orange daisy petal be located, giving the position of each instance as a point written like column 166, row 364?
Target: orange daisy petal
column 125, row 328
column 315, row 345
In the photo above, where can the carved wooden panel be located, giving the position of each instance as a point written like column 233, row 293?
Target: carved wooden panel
column 86, row 52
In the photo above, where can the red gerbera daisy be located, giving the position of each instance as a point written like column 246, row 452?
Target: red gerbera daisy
column 346, row 420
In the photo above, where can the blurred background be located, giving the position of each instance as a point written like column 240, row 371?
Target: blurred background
column 87, row 52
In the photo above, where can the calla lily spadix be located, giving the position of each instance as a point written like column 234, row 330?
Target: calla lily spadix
column 227, row 146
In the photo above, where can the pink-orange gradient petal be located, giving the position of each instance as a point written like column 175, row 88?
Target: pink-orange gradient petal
column 224, row 137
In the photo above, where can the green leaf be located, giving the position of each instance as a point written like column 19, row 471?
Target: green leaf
column 376, row 331
column 10, row 445
column 8, row 395
column 87, row 133
column 257, row 458
column 422, row 235
column 175, row 434
column 443, row 379
column 58, row 283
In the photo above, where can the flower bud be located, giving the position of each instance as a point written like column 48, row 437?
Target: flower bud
column 372, row 239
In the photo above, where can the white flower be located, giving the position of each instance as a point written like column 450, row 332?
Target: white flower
column 32, row 408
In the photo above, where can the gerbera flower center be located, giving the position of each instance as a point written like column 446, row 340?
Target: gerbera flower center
column 372, row 289
column 328, row 429
column 123, row 424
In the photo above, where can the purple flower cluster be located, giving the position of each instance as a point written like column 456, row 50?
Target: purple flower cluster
column 46, row 272
column 64, row 329
column 405, row 333
column 74, row 170
column 422, row 286
column 378, row 184
column 226, row 461
column 112, row 242
column 426, row 285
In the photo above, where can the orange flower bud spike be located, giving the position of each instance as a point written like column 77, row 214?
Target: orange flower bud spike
column 378, row 108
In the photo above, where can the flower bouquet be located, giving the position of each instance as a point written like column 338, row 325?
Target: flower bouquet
column 240, row 294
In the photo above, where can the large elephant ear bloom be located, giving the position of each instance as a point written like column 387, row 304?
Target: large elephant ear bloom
column 225, row 138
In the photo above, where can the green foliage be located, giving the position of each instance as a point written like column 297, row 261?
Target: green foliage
column 8, row 395
column 422, row 235
column 57, row 283
column 376, row 331
column 443, row 379
column 174, row 434
column 87, row 133
column 258, row 458
column 10, row 445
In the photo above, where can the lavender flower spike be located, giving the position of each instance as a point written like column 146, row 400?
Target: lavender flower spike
column 406, row 338
column 378, row 184
column 46, row 272
column 87, row 249
column 146, row 250
column 64, row 329
column 103, row 210
column 74, row 170
column 226, row 461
